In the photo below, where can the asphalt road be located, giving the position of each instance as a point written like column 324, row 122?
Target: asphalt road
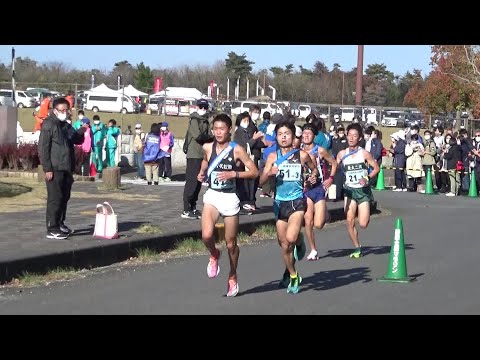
column 442, row 247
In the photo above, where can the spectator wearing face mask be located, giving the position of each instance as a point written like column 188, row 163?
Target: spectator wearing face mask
column 429, row 152
column 336, row 122
column 165, row 156
column 98, row 133
column 57, row 156
column 138, row 146
column 415, row 130
column 254, row 112
column 453, row 155
column 442, row 165
column 198, row 133
column 414, row 171
column 111, row 145
column 375, row 147
column 77, row 124
column 248, row 136
column 399, row 160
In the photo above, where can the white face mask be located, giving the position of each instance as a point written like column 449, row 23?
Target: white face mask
column 201, row 112
column 62, row 116
column 427, row 137
column 138, row 131
column 80, row 117
column 413, row 132
column 96, row 122
column 163, row 128
column 255, row 116
column 477, row 138
column 244, row 125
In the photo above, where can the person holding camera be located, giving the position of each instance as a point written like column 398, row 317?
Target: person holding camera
column 414, row 152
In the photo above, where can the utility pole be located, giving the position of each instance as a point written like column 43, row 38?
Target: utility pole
column 359, row 84
column 343, row 84
column 14, row 87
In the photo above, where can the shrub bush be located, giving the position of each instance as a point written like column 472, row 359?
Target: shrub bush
column 11, row 156
column 3, row 156
column 27, row 155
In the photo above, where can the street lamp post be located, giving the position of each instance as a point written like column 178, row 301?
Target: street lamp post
column 358, row 90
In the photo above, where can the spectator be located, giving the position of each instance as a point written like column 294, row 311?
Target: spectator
column 57, row 156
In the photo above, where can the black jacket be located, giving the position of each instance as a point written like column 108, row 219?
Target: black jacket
column 453, row 155
column 244, row 136
column 55, row 145
column 399, row 154
column 338, row 145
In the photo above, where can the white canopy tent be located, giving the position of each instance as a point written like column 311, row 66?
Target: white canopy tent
column 180, row 92
column 131, row 91
column 101, row 88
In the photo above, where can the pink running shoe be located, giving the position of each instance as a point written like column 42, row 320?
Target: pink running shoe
column 232, row 287
column 213, row 269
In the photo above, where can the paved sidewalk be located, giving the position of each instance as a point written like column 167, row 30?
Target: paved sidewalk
column 23, row 246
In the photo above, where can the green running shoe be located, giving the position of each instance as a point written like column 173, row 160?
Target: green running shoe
column 357, row 253
column 293, row 286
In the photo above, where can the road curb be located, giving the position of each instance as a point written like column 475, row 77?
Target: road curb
column 108, row 252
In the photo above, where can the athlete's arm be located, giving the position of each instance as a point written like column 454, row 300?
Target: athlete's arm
column 371, row 161
column 311, row 164
column 339, row 156
column 322, row 152
column 240, row 154
column 269, row 169
column 207, row 149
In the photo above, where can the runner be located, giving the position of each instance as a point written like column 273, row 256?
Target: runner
column 357, row 190
column 287, row 164
column 315, row 194
column 219, row 170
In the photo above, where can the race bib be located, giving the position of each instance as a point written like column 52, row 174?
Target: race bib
column 221, row 185
column 353, row 174
column 289, row 172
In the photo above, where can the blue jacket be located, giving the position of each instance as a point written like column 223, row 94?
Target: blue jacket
column 151, row 151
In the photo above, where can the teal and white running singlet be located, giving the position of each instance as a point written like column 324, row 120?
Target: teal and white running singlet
column 289, row 178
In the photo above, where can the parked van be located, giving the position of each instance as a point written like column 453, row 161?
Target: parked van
column 348, row 114
column 304, row 110
column 111, row 102
column 22, row 98
column 394, row 118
